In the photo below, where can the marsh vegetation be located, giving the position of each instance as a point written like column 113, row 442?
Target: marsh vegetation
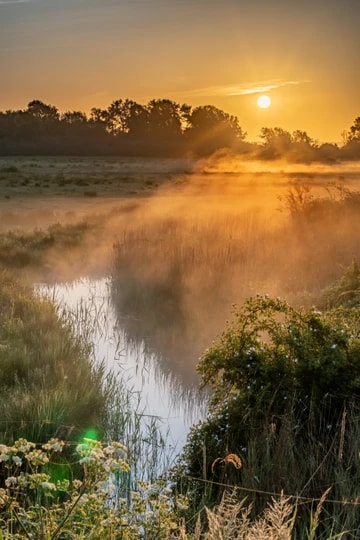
column 181, row 242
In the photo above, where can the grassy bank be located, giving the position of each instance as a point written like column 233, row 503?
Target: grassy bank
column 49, row 383
column 19, row 250
column 283, row 428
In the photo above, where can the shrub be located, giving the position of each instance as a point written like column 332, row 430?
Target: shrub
column 286, row 401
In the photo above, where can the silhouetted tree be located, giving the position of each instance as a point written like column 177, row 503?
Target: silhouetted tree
column 275, row 142
column 44, row 127
column 275, row 137
column 210, row 128
column 161, row 128
column 164, row 118
column 351, row 147
column 354, row 132
column 39, row 110
column 301, row 137
column 98, row 116
column 135, row 118
column 164, row 127
column 74, row 117
column 329, row 152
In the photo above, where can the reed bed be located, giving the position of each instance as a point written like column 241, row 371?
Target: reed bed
column 175, row 278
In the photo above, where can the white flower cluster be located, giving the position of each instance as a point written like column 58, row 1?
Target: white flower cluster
column 111, row 458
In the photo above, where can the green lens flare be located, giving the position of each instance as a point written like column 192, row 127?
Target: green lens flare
column 91, row 434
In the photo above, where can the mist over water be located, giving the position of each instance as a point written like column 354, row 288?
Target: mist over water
column 154, row 395
column 176, row 261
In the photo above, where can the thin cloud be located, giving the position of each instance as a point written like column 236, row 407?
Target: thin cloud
column 3, row 2
column 243, row 89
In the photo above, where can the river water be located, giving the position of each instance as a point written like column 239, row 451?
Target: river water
column 158, row 395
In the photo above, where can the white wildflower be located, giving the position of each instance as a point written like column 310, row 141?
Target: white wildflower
column 48, row 485
column 11, row 481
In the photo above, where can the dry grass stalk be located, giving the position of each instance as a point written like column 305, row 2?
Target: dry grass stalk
column 233, row 459
column 230, row 520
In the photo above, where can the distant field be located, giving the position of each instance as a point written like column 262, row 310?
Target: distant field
column 38, row 191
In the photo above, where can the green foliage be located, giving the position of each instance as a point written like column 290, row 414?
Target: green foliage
column 19, row 249
column 346, row 290
column 286, row 389
column 274, row 347
column 35, row 503
column 38, row 501
column 49, row 383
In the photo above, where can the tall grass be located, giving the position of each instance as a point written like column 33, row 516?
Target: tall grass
column 49, row 384
column 19, row 249
column 126, row 418
column 176, row 278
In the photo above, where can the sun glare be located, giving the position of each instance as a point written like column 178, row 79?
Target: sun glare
column 264, row 102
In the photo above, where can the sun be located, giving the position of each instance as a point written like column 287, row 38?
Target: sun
column 264, row 102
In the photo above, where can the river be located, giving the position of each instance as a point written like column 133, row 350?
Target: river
column 158, row 395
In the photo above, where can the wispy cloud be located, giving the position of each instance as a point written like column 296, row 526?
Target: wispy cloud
column 257, row 87
column 3, row 2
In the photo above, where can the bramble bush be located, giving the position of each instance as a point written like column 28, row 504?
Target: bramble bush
column 286, row 400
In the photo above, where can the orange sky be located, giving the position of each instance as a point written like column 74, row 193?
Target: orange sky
column 77, row 54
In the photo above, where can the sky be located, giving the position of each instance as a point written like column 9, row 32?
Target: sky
column 79, row 54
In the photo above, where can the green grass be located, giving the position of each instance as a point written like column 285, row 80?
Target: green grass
column 19, row 250
column 49, row 383
column 52, row 386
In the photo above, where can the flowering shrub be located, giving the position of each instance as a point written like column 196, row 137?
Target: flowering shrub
column 34, row 504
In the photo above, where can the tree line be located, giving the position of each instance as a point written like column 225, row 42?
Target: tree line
column 161, row 128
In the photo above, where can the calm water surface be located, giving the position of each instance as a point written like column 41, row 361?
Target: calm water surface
column 158, row 394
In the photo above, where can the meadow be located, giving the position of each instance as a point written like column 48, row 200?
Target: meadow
column 185, row 244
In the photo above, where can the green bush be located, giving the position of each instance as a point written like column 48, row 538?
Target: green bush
column 286, row 402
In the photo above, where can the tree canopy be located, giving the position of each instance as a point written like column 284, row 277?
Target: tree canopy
column 162, row 128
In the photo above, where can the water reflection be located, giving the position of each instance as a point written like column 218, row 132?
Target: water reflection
column 158, row 391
